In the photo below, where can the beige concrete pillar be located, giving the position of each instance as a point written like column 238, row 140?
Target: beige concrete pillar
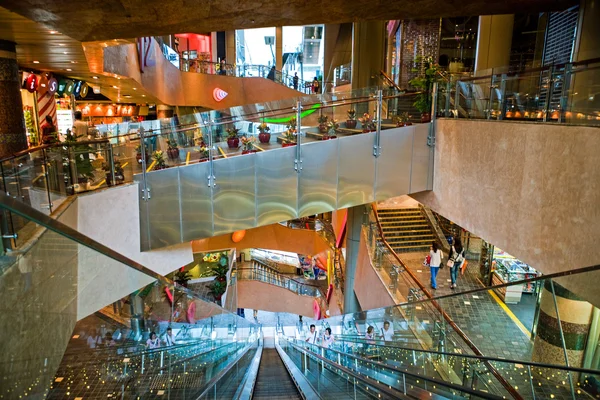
column 213, row 46
column 368, row 53
column 494, row 41
column 230, row 48
column 278, row 48
column 330, row 38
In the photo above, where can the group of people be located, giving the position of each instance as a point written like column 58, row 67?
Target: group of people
column 50, row 131
column 456, row 257
column 327, row 339
column 154, row 341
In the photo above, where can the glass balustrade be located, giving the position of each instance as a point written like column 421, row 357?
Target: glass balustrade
column 77, row 319
column 552, row 94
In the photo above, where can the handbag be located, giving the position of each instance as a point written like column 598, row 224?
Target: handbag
column 450, row 263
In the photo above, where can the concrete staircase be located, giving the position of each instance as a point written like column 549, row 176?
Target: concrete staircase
column 406, row 229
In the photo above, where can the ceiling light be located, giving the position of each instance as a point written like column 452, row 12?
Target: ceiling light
column 53, row 32
column 36, row 62
column 143, row 95
column 65, row 52
column 73, row 62
column 134, row 88
column 62, row 44
column 115, row 87
column 94, row 77
column 69, row 69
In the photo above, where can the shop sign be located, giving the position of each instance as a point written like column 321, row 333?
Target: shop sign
column 219, row 94
column 81, row 89
column 43, row 84
column 52, row 85
column 65, row 86
column 31, row 83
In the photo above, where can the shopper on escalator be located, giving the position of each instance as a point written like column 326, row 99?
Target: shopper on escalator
column 457, row 256
column 387, row 332
column 311, row 337
column 328, row 338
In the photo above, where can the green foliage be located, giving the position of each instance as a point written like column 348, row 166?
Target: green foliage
column 351, row 114
column 171, row 144
column 217, row 288
column 232, row 132
column 424, row 83
column 30, row 125
column 182, row 277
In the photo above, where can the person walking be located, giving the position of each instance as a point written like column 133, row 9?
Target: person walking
column 457, row 256
column 315, row 85
column 435, row 255
column 295, row 81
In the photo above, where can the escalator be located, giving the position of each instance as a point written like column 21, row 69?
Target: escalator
column 273, row 380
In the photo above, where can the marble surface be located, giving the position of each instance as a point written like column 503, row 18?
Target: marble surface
column 537, row 191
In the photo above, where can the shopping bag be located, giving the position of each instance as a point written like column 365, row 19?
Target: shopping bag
column 427, row 261
column 463, row 267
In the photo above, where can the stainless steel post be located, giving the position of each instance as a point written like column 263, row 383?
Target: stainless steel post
column 45, row 166
column 145, row 189
column 562, row 338
column 298, row 160
column 377, row 145
column 211, row 165
column 111, row 164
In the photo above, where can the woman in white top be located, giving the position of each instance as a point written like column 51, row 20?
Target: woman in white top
column 153, row 342
column 434, row 265
column 327, row 338
column 94, row 340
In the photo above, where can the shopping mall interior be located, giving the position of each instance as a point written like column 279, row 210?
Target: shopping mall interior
column 332, row 200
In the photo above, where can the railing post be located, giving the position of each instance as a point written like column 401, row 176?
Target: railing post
column 111, row 164
column 503, row 98
column 549, row 92
column 448, row 94
column 298, row 160
column 45, row 166
column 434, row 98
column 564, row 96
column 211, row 165
column 145, row 189
column 456, row 98
column 562, row 338
column 377, row 145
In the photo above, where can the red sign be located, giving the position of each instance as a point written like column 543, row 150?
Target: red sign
column 31, row 84
column 219, row 94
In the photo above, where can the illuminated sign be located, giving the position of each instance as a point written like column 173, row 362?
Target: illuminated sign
column 52, row 85
column 219, row 94
column 31, row 84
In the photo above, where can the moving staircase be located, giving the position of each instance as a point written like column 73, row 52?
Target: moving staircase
column 406, row 229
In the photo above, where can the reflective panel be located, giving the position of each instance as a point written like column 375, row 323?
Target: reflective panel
column 276, row 186
column 196, row 201
column 234, row 194
column 356, row 180
column 163, row 207
column 317, row 186
column 394, row 163
column 420, row 160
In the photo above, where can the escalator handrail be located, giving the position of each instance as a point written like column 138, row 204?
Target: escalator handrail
column 386, row 366
column 46, row 221
column 474, row 357
column 394, row 393
column 395, row 369
column 513, row 392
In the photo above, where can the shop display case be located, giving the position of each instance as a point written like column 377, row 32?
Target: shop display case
column 508, row 269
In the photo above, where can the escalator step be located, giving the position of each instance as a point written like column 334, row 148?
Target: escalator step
column 273, row 380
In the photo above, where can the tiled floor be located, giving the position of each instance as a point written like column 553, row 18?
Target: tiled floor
column 478, row 315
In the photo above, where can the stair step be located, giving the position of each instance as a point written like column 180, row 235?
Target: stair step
column 397, row 238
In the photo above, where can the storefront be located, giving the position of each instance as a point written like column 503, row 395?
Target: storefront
column 505, row 269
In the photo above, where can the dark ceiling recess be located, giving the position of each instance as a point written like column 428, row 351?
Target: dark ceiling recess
column 120, row 19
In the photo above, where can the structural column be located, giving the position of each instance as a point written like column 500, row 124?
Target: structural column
column 12, row 126
column 575, row 318
column 494, row 40
column 278, row 48
column 353, row 232
column 368, row 53
column 230, row 49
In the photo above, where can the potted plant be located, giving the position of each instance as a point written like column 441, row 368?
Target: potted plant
column 264, row 136
column 332, row 127
column 233, row 141
column 290, row 134
column 248, row 144
column 138, row 155
column 351, row 121
column 219, row 285
column 425, row 85
column 217, row 289
column 172, row 149
column 403, row 119
column 367, row 123
column 119, row 173
column 203, row 150
column 323, row 123
column 182, row 278
column 199, row 138
column 159, row 159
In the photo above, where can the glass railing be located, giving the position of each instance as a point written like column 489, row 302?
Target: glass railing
column 446, row 374
column 272, row 277
column 67, row 295
column 552, row 94
column 475, row 325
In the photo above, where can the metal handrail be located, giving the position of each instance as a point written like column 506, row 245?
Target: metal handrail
column 471, row 356
column 390, row 81
column 48, row 146
column 448, row 319
column 389, row 367
column 283, row 279
column 18, row 208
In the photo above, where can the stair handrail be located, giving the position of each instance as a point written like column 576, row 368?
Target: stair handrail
column 283, row 278
column 435, row 226
column 390, row 81
column 446, row 317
